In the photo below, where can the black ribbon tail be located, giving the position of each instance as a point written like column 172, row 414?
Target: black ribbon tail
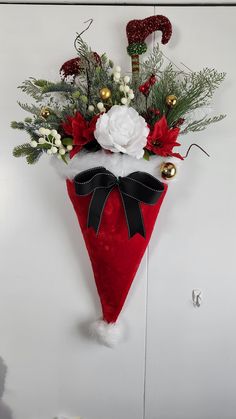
column 133, row 216
column 96, row 207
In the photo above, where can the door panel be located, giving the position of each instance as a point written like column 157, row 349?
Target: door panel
column 48, row 295
column 191, row 360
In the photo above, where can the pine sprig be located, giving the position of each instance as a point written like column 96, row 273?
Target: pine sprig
column 153, row 63
column 25, row 150
column 22, row 150
column 34, row 156
column 35, row 110
column 60, row 87
column 193, row 91
column 201, row 124
column 31, row 88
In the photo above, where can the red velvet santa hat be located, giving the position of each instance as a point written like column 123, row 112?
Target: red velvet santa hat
column 114, row 255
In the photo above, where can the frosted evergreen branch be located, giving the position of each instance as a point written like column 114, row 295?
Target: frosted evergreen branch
column 30, row 88
column 201, row 124
column 61, row 87
column 153, row 63
column 81, row 47
column 35, row 110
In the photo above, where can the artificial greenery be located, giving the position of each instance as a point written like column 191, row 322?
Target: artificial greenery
column 25, row 150
column 194, row 90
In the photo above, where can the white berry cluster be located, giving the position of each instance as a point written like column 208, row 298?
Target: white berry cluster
column 128, row 92
column 53, row 139
column 100, row 107
column 117, row 74
column 124, row 87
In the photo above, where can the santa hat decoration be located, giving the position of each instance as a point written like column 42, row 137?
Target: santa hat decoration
column 121, row 214
column 112, row 138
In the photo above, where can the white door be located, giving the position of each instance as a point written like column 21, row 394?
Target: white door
column 177, row 362
column 191, row 361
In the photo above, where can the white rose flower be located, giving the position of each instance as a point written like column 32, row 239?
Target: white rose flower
column 123, row 130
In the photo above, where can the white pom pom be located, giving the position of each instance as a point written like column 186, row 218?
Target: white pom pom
column 109, row 334
column 126, row 79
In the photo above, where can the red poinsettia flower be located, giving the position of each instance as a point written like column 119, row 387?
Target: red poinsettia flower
column 80, row 130
column 162, row 139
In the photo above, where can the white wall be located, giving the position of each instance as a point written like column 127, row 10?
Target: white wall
column 184, row 359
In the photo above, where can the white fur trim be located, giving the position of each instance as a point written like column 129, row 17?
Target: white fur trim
column 109, row 334
column 119, row 164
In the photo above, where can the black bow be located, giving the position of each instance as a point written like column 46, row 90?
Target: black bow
column 135, row 188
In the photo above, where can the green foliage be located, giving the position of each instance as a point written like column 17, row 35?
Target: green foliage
column 35, row 110
column 17, row 125
column 67, row 141
column 31, row 88
column 25, row 150
column 153, row 63
column 201, row 124
column 60, row 87
column 193, row 91
column 22, row 150
column 34, row 156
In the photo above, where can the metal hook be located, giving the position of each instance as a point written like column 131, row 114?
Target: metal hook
column 197, row 297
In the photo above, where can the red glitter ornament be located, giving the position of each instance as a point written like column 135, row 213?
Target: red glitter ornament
column 74, row 67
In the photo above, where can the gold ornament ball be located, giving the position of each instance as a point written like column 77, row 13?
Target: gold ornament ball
column 171, row 100
column 45, row 112
column 105, row 93
column 168, row 170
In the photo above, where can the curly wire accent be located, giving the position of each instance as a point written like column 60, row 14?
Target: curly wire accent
column 78, row 35
column 196, row 145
